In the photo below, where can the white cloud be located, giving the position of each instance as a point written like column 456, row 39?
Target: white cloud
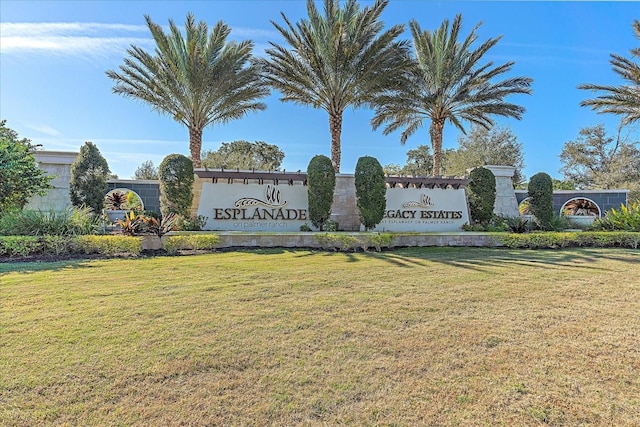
column 45, row 129
column 70, row 39
column 25, row 29
column 89, row 38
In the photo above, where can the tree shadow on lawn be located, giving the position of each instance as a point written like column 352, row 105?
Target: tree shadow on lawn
column 50, row 263
column 478, row 258
column 464, row 257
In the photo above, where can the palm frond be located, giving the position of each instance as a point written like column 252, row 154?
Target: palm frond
column 339, row 57
column 197, row 77
column 623, row 100
column 448, row 82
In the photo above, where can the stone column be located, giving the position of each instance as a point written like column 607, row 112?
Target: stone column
column 58, row 164
column 506, row 203
column 197, row 193
column 345, row 209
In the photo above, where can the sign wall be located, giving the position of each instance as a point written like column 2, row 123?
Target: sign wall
column 270, row 207
column 424, row 209
column 254, row 207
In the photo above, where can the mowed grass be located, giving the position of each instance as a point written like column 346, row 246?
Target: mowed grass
column 437, row 336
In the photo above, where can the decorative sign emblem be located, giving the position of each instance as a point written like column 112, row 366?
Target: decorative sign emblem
column 424, row 203
column 272, row 199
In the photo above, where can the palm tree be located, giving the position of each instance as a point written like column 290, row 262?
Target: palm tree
column 623, row 100
column 335, row 61
column 447, row 83
column 198, row 80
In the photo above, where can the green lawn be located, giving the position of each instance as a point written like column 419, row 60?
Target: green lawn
column 436, row 336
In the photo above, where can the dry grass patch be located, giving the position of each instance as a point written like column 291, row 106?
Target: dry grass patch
column 442, row 336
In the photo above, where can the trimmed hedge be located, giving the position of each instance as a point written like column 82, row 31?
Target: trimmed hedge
column 350, row 242
column 107, row 245
column 195, row 242
column 22, row 246
column 371, row 191
column 176, row 185
column 114, row 245
column 482, row 195
column 570, row 239
column 88, row 182
column 321, row 184
column 540, row 190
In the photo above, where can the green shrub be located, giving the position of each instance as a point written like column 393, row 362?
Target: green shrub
column 194, row 223
column 172, row 244
column 109, row 245
column 338, row 241
column 176, row 185
column 19, row 245
column 331, row 226
column 321, row 184
column 68, row 222
column 131, row 225
column 541, row 192
column 380, row 240
column 159, row 225
column 56, row 245
column 20, row 176
column 88, row 183
column 551, row 240
column 496, row 224
column 559, row 223
column 516, row 224
column 305, row 227
column 349, row 242
column 624, row 219
column 371, row 191
column 481, row 195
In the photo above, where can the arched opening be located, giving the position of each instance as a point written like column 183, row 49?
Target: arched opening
column 123, row 199
column 581, row 206
column 524, row 207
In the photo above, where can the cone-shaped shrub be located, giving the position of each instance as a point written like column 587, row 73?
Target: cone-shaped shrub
column 321, row 183
column 481, row 195
column 88, row 181
column 176, row 185
column 541, row 192
column 371, row 191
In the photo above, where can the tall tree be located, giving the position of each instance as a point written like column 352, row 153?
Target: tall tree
column 245, row 155
column 200, row 79
column 597, row 161
column 481, row 146
column 447, row 83
column 20, row 178
column 146, row 170
column 89, row 173
column 419, row 161
column 336, row 60
column 623, row 100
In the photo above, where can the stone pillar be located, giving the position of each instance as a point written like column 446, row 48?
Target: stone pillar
column 506, row 203
column 345, row 209
column 57, row 163
column 197, row 193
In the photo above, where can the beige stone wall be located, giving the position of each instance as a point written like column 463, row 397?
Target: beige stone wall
column 58, row 164
column 197, row 194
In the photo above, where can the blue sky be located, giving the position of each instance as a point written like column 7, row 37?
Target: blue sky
column 54, row 54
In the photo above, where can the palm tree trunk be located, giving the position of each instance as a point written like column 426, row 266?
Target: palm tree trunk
column 335, row 127
column 195, row 145
column 435, row 130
